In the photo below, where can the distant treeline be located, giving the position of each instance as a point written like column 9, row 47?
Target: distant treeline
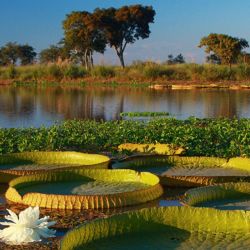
column 86, row 33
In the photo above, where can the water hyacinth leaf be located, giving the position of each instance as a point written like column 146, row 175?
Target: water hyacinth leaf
column 15, row 164
column 221, row 196
column 184, row 171
column 180, row 227
column 84, row 189
column 204, row 137
column 144, row 114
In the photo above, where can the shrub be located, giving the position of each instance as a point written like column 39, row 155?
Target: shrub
column 26, row 76
column 103, row 71
column 180, row 74
column 11, row 72
column 152, row 72
column 242, row 72
column 55, row 72
column 195, row 71
column 157, row 71
column 74, row 72
column 217, row 73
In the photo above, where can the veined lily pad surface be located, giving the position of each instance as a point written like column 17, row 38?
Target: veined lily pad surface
column 161, row 149
column 84, row 189
column 227, row 196
column 164, row 228
column 190, row 171
column 15, row 164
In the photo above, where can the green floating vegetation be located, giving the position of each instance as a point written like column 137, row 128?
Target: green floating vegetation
column 15, row 164
column 200, row 137
column 162, row 149
column 222, row 196
column 144, row 114
column 84, row 189
column 185, row 171
column 163, row 228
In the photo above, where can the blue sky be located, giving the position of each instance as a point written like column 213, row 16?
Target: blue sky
column 178, row 27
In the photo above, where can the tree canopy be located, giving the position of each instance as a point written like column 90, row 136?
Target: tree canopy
column 225, row 47
column 10, row 53
column 51, row 54
column 244, row 58
column 179, row 59
column 26, row 54
column 124, row 25
column 213, row 59
column 83, row 37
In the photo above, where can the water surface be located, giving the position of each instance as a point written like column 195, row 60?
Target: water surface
column 35, row 106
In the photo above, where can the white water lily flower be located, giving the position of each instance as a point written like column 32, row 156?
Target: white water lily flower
column 27, row 228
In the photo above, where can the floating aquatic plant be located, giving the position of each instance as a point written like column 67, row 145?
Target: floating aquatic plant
column 143, row 114
column 189, row 171
column 163, row 228
column 26, row 163
column 85, row 189
column 222, row 196
column 27, row 227
column 150, row 148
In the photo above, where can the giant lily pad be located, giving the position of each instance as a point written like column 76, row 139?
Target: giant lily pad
column 189, row 171
column 12, row 165
column 161, row 149
column 84, row 189
column 163, row 228
column 222, row 196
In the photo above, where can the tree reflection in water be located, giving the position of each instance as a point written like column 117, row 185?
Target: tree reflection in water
column 36, row 106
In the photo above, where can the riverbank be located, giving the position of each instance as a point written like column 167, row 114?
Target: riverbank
column 200, row 137
column 157, row 76
column 156, row 84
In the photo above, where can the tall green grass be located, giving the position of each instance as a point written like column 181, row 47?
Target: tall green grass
column 138, row 71
column 103, row 71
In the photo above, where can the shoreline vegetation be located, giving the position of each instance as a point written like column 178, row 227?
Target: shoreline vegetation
column 141, row 74
column 199, row 137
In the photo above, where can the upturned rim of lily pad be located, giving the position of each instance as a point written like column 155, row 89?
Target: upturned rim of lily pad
column 236, row 163
column 149, row 220
column 202, row 196
column 152, row 191
column 64, row 160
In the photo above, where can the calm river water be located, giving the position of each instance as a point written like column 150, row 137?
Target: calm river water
column 36, row 106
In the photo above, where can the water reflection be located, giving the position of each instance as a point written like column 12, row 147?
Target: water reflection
column 36, row 106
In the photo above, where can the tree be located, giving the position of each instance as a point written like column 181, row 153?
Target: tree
column 179, row 59
column 3, row 58
column 26, row 54
column 170, row 59
column 225, row 47
column 244, row 58
column 51, row 54
column 213, row 59
column 124, row 25
column 83, row 37
column 9, row 53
